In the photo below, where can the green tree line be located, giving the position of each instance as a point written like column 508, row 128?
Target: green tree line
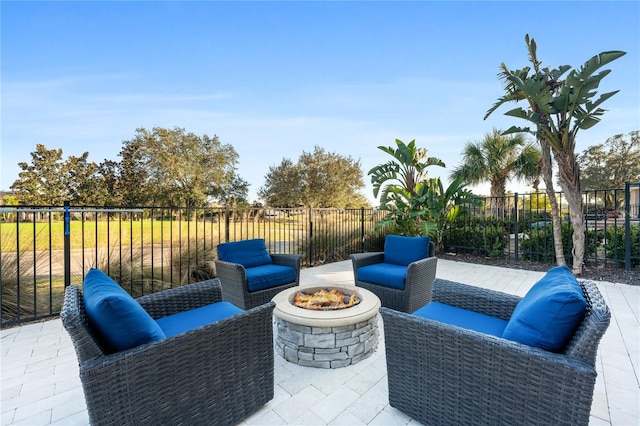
column 173, row 167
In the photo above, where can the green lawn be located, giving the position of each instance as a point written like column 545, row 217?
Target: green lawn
column 102, row 233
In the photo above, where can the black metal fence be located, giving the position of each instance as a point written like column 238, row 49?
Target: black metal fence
column 44, row 248
column 519, row 227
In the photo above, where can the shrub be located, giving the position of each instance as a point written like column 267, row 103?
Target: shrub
column 489, row 237
column 615, row 244
column 539, row 244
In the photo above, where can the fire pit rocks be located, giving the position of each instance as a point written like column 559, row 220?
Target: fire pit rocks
column 330, row 337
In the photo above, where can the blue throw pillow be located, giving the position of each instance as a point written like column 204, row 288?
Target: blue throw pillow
column 549, row 313
column 120, row 320
column 248, row 253
column 401, row 250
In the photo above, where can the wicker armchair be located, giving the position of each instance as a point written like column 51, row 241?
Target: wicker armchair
column 233, row 276
column 442, row 374
column 214, row 374
column 417, row 286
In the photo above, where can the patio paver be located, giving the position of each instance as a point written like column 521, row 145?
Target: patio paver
column 40, row 384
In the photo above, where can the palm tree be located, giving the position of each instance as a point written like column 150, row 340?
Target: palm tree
column 498, row 158
column 558, row 109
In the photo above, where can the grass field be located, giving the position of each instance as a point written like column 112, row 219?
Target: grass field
column 38, row 236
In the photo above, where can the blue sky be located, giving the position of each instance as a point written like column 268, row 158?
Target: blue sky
column 275, row 79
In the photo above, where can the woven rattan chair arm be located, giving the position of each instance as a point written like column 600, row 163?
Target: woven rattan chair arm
column 73, row 317
column 292, row 260
column 364, row 259
column 423, row 267
column 230, row 271
column 184, row 298
column 419, row 282
column 471, row 298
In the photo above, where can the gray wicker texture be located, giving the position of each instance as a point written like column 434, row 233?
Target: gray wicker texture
column 418, row 283
column 213, row 375
column 441, row 374
column 234, row 281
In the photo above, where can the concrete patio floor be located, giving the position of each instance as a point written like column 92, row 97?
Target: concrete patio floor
column 40, row 384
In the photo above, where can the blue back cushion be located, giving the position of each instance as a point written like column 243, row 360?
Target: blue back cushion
column 384, row 274
column 549, row 313
column 120, row 321
column 267, row 276
column 248, row 253
column 194, row 318
column 462, row 318
column 401, row 250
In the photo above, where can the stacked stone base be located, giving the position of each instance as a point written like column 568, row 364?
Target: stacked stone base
column 326, row 347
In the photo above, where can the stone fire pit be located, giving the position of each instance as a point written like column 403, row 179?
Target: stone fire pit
column 326, row 338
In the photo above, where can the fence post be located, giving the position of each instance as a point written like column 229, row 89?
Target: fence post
column 310, row 236
column 67, row 245
column 516, row 237
column 226, row 223
column 627, row 226
column 361, row 229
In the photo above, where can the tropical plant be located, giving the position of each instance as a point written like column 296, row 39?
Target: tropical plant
column 497, row 159
column 404, row 213
column 559, row 109
column 443, row 206
column 402, row 184
column 408, row 168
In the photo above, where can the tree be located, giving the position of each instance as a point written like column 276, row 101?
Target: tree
column 132, row 176
column 41, row 182
column 50, row 180
column 8, row 201
column 328, row 179
column 281, row 185
column 82, row 181
column 497, row 159
column 319, row 179
column 235, row 192
column 559, row 109
column 110, row 194
column 178, row 168
column 612, row 163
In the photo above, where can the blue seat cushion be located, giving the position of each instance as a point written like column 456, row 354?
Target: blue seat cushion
column 248, row 253
column 462, row 318
column 549, row 313
column 119, row 319
column 385, row 274
column 194, row 318
column 267, row 276
column 401, row 250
